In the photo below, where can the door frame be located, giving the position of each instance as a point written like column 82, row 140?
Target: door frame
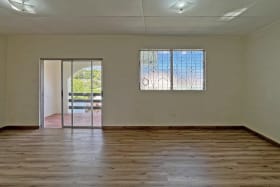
column 41, row 90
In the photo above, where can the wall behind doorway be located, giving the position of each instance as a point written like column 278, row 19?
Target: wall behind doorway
column 52, row 87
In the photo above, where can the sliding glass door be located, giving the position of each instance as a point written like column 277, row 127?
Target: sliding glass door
column 81, row 93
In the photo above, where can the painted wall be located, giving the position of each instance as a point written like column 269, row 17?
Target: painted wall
column 52, row 88
column 124, row 104
column 263, row 87
column 3, row 45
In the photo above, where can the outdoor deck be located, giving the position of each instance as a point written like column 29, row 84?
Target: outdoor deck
column 79, row 120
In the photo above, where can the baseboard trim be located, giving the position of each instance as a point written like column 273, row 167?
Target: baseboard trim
column 13, row 127
column 262, row 136
column 171, row 127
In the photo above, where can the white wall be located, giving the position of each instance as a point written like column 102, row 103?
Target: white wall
column 3, row 45
column 52, row 88
column 263, row 87
column 124, row 104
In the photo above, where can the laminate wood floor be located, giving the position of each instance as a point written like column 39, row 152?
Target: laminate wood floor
column 83, row 157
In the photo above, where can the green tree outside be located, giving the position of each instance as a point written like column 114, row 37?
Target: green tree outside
column 82, row 82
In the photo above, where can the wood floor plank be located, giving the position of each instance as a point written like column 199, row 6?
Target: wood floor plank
column 158, row 158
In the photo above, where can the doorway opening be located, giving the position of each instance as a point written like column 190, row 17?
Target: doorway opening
column 71, row 93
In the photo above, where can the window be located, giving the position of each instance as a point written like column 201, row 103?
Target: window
column 155, row 70
column 178, row 69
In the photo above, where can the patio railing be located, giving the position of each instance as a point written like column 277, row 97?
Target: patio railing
column 86, row 101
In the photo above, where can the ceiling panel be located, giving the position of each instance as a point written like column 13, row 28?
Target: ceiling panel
column 85, row 7
column 211, row 8
column 72, row 25
column 18, row 26
column 244, row 25
column 264, row 8
column 94, row 25
column 173, row 25
column 93, row 7
column 204, row 25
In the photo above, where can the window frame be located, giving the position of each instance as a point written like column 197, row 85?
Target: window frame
column 172, row 70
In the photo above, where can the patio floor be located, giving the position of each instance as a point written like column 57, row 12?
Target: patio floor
column 79, row 120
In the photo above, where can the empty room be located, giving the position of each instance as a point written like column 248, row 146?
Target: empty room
column 146, row 93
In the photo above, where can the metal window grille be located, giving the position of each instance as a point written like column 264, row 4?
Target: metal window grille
column 179, row 69
column 188, row 70
column 155, row 70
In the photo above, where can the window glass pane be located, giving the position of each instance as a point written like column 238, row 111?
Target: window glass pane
column 155, row 70
column 188, row 70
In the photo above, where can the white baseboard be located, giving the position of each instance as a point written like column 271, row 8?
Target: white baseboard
column 22, row 123
column 262, row 133
column 176, row 125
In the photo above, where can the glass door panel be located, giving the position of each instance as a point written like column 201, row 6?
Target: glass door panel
column 82, row 93
column 67, row 117
column 97, row 92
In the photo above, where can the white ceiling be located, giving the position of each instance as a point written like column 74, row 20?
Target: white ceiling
column 137, row 17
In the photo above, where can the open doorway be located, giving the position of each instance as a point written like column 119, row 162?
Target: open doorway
column 71, row 93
